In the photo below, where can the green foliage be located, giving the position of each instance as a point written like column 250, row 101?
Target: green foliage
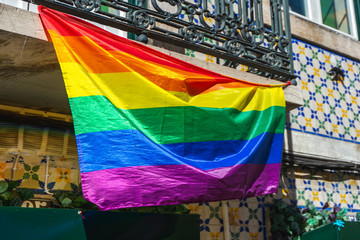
column 72, row 199
column 358, row 216
column 75, row 199
column 11, row 196
column 290, row 222
column 286, row 221
column 317, row 218
column 3, row 186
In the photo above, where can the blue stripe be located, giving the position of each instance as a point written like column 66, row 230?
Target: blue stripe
column 129, row 148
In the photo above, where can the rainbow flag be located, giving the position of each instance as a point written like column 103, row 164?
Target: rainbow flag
column 154, row 130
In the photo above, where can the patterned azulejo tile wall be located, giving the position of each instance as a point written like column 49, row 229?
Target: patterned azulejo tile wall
column 246, row 219
column 331, row 108
column 30, row 172
column 338, row 188
column 27, row 151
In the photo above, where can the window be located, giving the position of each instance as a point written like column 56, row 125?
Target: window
column 298, row 6
column 337, row 14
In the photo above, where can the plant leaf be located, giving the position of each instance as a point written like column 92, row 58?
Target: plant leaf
column 55, row 202
column 3, row 186
column 6, row 195
column 312, row 221
column 66, row 202
column 279, row 218
column 79, row 201
column 16, row 202
column 283, row 205
column 25, row 194
column 74, row 187
column 295, row 227
column 12, row 185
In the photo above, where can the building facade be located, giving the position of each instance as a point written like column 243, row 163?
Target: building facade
column 322, row 137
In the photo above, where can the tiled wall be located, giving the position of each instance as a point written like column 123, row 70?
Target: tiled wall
column 246, row 219
column 339, row 188
column 34, row 145
column 30, row 172
column 331, row 108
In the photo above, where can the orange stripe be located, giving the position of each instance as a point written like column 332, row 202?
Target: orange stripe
column 94, row 59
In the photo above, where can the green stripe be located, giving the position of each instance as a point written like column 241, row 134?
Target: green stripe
column 176, row 124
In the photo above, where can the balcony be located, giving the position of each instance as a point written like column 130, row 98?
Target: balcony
column 231, row 30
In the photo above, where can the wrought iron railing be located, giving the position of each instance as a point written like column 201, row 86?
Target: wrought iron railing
column 232, row 30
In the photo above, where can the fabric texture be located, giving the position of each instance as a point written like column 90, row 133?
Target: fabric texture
column 155, row 130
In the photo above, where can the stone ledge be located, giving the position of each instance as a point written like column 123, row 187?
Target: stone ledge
column 311, row 145
column 20, row 21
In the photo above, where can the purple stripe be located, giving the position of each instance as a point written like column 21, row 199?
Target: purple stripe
column 177, row 184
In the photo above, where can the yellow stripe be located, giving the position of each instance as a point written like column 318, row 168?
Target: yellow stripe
column 131, row 85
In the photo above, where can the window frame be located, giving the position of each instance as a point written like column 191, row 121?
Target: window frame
column 313, row 13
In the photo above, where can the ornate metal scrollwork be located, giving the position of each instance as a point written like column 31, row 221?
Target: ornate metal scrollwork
column 253, row 34
column 232, row 29
column 229, row 29
column 191, row 34
column 191, row 12
column 272, row 59
column 141, row 18
column 87, row 5
column 283, row 43
column 235, row 47
column 219, row 21
column 177, row 3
